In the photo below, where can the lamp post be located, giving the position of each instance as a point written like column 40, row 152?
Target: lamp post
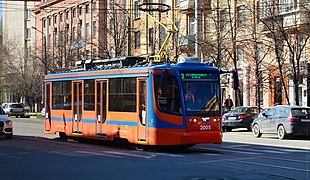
column 44, row 59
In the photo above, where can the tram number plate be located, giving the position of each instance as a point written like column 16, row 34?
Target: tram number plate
column 205, row 127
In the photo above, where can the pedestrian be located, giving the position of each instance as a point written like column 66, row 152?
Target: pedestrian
column 228, row 103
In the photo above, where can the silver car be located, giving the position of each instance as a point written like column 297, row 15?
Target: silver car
column 14, row 109
column 6, row 125
column 283, row 121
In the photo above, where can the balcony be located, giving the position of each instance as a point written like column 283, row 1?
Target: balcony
column 187, row 6
column 296, row 19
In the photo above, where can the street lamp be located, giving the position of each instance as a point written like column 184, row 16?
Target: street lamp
column 44, row 59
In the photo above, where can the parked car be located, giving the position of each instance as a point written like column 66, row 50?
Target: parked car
column 240, row 117
column 14, row 109
column 6, row 125
column 284, row 121
column 43, row 112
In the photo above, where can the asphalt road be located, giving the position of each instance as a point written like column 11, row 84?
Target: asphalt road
column 31, row 154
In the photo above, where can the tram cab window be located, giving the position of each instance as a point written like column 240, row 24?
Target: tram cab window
column 168, row 98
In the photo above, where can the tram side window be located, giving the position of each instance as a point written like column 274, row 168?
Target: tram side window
column 89, row 95
column 122, row 94
column 168, row 101
column 61, row 95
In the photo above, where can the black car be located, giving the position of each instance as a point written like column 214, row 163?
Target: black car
column 240, row 117
column 284, row 121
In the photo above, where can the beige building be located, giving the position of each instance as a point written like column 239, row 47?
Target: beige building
column 17, row 20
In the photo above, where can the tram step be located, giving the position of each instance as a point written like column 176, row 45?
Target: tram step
column 78, row 133
column 101, row 135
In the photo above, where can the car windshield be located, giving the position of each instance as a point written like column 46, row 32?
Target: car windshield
column 16, row 106
column 301, row 112
column 1, row 111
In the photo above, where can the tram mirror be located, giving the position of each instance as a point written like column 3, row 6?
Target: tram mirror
column 236, row 80
column 163, row 80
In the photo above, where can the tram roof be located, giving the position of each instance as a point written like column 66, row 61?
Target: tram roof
column 127, row 65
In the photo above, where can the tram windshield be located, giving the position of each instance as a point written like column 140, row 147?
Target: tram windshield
column 201, row 94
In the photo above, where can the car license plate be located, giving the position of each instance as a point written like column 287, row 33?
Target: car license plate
column 231, row 118
column 305, row 120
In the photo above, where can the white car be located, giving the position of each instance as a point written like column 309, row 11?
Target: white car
column 6, row 125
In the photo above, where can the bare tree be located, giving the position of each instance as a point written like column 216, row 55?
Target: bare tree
column 290, row 34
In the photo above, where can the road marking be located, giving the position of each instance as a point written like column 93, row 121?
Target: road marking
column 231, row 151
column 10, row 156
column 270, row 165
column 98, row 154
column 62, row 153
column 127, row 154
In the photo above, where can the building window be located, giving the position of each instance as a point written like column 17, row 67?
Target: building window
column 242, row 15
column 95, row 53
column 191, row 25
column 87, row 8
column 137, row 39
column 87, row 30
column 80, row 30
column 28, row 33
column 73, row 33
column 288, row 5
column 223, row 19
column 55, row 19
column 151, row 37
column 49, row 21
column 29, row 14
column 60, row 17
column 302, row 47
column 137, row 10
column 80, row 10
column 240, row 56
column 95, row 5
column 44, row 23
column 207, row 23
column 73, row 12
column 94, row 29
column 177, row 2
column 223, row 57
column 67, row 15
column 266, row 9
column 260, row 52
column 49, row 40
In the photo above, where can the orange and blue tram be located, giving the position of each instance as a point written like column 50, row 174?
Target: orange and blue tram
column 143, row 103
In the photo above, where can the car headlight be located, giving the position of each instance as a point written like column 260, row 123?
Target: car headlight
column 8, row 122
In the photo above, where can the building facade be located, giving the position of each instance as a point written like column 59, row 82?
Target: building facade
column 266, row 41
column 17, row 37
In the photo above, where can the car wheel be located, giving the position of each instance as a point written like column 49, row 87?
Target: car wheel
column 8, row 136
column 256, row 131
column 281, row 132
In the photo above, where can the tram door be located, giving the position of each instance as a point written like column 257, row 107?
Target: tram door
column 47, row 122
column 142, row 110
column 77, row 107
column 101, row 108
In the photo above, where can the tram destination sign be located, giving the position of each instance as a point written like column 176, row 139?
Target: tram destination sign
column 198, row 75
